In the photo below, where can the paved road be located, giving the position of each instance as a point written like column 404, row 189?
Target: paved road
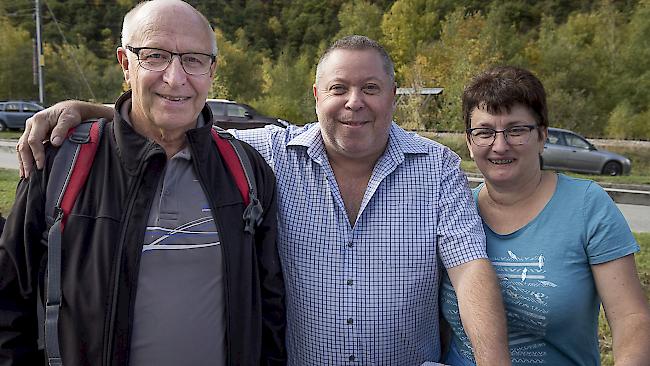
column 638, row 217
column 8, row 159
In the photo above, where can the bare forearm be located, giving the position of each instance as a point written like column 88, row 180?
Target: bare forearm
column 627, row 310
column 632, row 341
column 89, row 110
column 482, row 312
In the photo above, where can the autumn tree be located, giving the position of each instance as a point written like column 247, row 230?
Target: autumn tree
column 287, row 88
column 17, row 50
column 360, row 17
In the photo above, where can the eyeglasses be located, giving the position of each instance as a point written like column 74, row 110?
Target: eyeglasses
column 514, row 135
column 155, row 59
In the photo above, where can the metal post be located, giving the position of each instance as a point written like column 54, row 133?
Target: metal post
column 39, row 52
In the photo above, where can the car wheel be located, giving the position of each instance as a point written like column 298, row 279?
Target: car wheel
column 3, row 126
column 612, row 168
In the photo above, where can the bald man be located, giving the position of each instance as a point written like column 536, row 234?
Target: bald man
column 156, row 266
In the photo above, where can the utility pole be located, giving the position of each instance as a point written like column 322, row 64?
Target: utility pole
column 39, row 54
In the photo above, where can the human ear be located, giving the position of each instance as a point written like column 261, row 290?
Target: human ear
column 123, row 60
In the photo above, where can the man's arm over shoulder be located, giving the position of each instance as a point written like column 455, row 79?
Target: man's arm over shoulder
column 22, row 250
column 57, row 120
column 269, row 266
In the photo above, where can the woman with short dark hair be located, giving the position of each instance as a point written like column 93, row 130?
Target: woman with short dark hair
column 558, row 244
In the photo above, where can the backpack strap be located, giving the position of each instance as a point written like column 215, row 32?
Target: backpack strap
column 69, row 172
column 240, row 168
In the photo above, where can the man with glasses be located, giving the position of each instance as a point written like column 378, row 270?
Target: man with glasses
column 156, row 266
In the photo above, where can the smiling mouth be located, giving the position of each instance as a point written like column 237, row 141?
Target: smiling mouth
column 172, row 98
column 354, row 123
column 501, row 161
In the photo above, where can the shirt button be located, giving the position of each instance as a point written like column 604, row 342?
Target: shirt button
column 352, row 358
column 350, row 282
column 350, row 244
column 350, row 321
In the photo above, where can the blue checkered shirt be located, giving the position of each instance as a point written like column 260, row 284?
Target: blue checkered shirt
column 367, row 294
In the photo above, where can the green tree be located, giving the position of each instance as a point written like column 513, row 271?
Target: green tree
column 239, row 72
column 74, row 72
column 307, row 23
column 626, row 123
column 287, row 89
column 577, row 61
column 466, row 46
column 409, row 26
column 360, row 17
column 16, row 75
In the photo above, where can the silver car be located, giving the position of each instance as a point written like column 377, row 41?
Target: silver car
column 14, row 113
column 566, row 150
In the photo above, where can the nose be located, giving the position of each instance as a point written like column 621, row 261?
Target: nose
column 355, row 100
column 174, row 74
column 500, row 143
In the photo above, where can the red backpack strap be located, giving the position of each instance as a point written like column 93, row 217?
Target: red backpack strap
column 233, row 164
column 240, row 168
column 70, row 170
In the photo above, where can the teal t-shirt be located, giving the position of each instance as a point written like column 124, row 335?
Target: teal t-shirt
column 544, row 270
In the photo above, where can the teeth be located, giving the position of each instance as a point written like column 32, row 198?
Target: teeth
column 502, row 161
column 174, row 99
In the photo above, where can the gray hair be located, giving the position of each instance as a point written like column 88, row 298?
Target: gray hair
column 129, row 24
column 359, row 43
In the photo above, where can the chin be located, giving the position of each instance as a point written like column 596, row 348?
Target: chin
column 168, row 123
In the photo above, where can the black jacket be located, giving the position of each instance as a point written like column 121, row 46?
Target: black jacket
column 102, row 244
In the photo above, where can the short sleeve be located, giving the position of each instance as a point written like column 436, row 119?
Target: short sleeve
column 460, row 229
column 608, row 234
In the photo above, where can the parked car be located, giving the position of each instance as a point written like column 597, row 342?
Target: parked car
column 13, row 114
column 229, row 114
column 566, row 150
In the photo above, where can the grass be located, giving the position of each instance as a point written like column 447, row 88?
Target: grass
column 12, row 135
column 8, row 181
column 643, row 267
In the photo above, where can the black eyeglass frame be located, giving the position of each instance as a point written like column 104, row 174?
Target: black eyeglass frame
column 505, row 133
column 180, row 55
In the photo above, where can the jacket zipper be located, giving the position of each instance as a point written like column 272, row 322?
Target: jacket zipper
column 108, row 335
column 224, row 251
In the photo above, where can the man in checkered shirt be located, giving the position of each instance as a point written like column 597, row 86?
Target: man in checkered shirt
column 368, row 213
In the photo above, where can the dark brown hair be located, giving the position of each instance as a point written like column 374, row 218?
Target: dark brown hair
column 498, row 89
